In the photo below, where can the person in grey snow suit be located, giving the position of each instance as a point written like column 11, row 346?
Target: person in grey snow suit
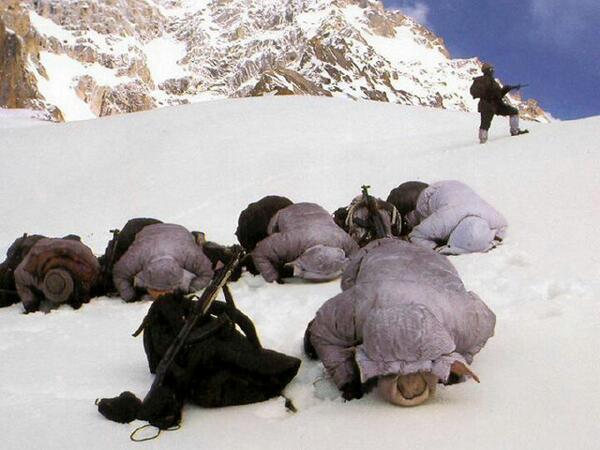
column 303, row 241
column 403, row 322
column 452, row 219
column 163, row 258
column 491, row 103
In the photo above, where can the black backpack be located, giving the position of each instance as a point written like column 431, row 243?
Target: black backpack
column 14, row 255
column 478, row 87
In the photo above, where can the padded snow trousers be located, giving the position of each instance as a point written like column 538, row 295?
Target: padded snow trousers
column 501, row 110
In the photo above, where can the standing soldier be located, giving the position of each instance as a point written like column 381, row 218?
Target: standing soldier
column 490, row 96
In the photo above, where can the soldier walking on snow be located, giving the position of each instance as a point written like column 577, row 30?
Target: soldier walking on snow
column 491, row 95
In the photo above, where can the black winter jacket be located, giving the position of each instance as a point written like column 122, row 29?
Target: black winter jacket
column 492, row 98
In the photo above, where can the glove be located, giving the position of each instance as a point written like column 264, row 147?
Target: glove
column 352, row 390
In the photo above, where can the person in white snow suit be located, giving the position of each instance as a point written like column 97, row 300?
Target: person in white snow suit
column 303, row 241
column 451, row 218
column 403, row 322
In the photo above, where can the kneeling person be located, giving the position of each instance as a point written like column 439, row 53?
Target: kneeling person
column 165, row 258
column 404, row 322
column 303, row 242
column 451, row 218
column 56, row 271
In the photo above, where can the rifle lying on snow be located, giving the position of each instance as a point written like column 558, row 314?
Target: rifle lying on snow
column 375, row 223
column 199, row 310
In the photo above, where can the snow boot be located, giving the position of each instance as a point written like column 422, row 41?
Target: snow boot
column 514, row 126
column 483, row 136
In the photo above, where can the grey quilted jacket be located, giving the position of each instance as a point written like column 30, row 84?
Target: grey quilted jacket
column 164, row 255
column 304, row 237
column 451, row 218
column 403, row 309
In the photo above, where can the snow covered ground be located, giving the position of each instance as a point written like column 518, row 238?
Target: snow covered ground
column 18, row 118
column 200, row 165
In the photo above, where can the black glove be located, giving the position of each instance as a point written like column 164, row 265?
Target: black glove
column 309, row 349
column 122, row 409
column 352, row 390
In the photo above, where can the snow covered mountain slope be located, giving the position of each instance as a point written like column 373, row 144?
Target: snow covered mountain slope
column 88, row 58
column 199, row 165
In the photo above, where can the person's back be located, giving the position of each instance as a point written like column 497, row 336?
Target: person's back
column 116, row 248
column 453, row 219
column 403, row 311
column 304, row 239
column 163, row 257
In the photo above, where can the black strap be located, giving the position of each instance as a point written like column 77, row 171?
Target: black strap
column 133, row 433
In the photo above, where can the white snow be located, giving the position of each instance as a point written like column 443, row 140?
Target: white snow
column 404, row 48
column 17, row 118
column 200, row 165
column 48, row 27
column 63, row 72
column 162, row 56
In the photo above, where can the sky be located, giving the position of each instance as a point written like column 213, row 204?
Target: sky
column 553, row 45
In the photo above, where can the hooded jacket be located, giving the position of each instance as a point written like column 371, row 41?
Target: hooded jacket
column 69, row 258
column 403, row 310
column 162, row 257
column 451, row 218
column 305, row 238
column 491, row 100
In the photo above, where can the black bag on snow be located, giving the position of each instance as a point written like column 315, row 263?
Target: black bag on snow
column 227, row 368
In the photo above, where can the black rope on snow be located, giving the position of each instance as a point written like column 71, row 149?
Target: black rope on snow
column 134, row 439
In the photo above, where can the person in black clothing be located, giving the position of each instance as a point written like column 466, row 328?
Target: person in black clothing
column 491, row 103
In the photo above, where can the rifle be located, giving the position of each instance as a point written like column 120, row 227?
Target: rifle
column 375, row 222
column 516, row 87
column 109, row 260
column 199, row 309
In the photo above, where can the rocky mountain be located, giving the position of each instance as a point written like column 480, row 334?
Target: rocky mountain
column 79, row 59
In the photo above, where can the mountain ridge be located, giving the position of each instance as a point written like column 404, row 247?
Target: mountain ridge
column 81, row 59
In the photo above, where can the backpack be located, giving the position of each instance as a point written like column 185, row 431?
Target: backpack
column 15, row 254
column 478, row 87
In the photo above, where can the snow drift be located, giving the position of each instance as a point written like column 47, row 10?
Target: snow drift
column 200, row 165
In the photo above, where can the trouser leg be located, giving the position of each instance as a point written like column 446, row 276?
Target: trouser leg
column 486, row 122
column 483, row 136
column 514, row 123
